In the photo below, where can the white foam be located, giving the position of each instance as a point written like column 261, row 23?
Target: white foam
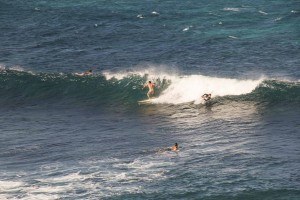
column 191, row 88
column 140, row 16
column 41, row 197
column 48, row 189
column 187, row 28
column 66, row 178
column 119, row 75
column 101, row 178
column 232, row 9
column 155, row 13
column 153, row 72
column 10, row 185
column 17, row 68
column 4, row 197
column 50, row 167
column 262, row 12
column 233, row 37
column 2, row 67
column 139, row 170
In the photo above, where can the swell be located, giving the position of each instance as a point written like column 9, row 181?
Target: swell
column 19, row 87
column 23, row 87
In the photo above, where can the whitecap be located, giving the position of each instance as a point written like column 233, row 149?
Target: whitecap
column 233, row 37
column 140, row 16
column 232, row 9
column 262, row 12
column 151, row 71
column 187, row 28
column 17, row 68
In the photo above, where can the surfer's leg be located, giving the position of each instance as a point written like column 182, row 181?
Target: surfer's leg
column 150, row 93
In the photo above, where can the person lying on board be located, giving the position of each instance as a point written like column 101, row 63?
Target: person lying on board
column 206, row 97
column 89, row 72
column 150, row 86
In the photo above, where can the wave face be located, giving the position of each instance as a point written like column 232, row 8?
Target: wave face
column 17, row 87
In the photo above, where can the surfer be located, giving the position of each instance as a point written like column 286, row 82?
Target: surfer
column 206, row 97
column 175, row 147
column 89, row 72
column 151, row 86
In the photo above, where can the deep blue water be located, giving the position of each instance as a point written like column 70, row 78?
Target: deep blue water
column 64, row 136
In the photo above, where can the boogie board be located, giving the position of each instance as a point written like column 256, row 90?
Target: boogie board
column 147, row 101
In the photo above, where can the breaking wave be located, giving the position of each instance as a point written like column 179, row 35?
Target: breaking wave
column 18, row 87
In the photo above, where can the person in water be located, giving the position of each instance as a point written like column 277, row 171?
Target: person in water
column 89, row 72
column 86, row 73
column 206, row 97
column 151, row 86
column 175, row 147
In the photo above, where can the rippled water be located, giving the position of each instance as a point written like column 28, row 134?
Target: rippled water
column 68, row 137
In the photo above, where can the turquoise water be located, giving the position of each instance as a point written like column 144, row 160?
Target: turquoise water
column 64, row 136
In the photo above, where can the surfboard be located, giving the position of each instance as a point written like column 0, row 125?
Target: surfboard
column 147, row 101
column 79, row 74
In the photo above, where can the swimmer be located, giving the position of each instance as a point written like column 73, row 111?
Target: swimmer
column 151, row 88
column 175, row 147
column 206, row 97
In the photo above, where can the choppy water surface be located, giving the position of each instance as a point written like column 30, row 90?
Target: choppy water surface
column 64, row 136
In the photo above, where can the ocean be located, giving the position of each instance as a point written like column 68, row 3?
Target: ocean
column 64, row 136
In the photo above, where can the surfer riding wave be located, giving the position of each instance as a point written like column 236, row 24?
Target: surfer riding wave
column 151, row 86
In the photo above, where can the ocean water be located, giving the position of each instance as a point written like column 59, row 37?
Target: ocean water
column 64, row 136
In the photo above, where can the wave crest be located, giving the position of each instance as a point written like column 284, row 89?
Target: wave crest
column 107, row 88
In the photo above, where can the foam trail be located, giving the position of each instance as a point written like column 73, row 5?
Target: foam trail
column 191, row 88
